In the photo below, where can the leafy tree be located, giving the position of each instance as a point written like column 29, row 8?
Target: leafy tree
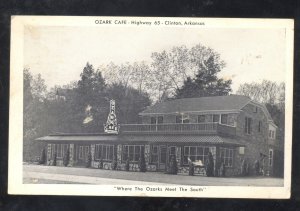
column 206, row 82
column 129, row 102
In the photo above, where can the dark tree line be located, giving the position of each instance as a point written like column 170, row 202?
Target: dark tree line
column 78, row 107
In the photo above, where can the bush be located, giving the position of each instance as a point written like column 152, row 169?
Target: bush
column 66, row 157
column 127, row 165
column 114, row 164
column 209, row 167
column 43, row 157
column 100, row 166
column 173, row 169
column 54, row 159
column 89, row 160
column 142, row 162
column 191, row 168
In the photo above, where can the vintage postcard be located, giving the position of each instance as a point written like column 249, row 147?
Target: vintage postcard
column 168, row 107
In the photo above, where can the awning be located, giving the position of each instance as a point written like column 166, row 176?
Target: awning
column 209, row 139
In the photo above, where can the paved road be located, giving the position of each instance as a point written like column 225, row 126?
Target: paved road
column 40, row 174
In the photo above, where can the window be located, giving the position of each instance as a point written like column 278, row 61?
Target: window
column 248, row 125
column 201, row 118
column 184, row 118
column 132, row 152
column 195, row 153
column 270, row 157
column 153, row 120
column 216, row 118
column 160, row 119
column 241, row 150
column 272, row 134
column 259, row 126
column 83, row 152
column 104, row 151
column 255, row 109
column 60, row 150
column 157, row 120
column 224, row 119
column 172, row 151
column 226, row 156
column 154, row 154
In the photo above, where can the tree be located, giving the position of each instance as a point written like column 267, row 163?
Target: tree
column 129, row 102
column 206, row 83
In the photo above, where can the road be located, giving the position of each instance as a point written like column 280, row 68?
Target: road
column 56, row 175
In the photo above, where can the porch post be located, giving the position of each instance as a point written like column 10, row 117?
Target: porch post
column 93, row 154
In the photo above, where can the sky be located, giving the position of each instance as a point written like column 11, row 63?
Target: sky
column 59, row 53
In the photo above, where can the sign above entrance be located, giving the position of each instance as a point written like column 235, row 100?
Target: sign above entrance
column 111, row 125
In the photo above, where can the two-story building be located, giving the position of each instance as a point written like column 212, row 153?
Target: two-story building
column 233, row 128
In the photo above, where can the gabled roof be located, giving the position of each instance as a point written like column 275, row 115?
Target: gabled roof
column 217, row 103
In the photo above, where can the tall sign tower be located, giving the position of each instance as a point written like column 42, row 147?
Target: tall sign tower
column 111, row 125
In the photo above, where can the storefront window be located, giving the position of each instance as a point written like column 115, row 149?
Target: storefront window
column 226, row 156
column 132, row 152
column 195, row 153
column 104, row 151
column 154, row 154
column 60, row 150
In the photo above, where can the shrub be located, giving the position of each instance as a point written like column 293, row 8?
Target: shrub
column 43, row 157
column 54, row 159
column 114, row 163
column 89, row 160
column 127, row 165
column 100, row 166
column 191, row 168
column 66, row 157
column 173, row 169
column 209, row 167
column 142, row 162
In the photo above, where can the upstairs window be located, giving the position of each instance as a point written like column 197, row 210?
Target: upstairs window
column 216, row 118
column 160, row 119
column 201, row 118
column 157, row 120
column 153, row 120
column 184, row 118
column 248, row 125
column 255, row 109
column 271, row 134
column 224, row 119
column 259, row 126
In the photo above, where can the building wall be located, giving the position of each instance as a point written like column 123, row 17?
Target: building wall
column 256, row 142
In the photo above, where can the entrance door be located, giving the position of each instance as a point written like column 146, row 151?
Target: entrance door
column 162, row 157
column 82, row 152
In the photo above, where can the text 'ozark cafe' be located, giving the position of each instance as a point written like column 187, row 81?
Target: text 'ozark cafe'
column 234, row 128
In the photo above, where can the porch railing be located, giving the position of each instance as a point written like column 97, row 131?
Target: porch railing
column 202, row 128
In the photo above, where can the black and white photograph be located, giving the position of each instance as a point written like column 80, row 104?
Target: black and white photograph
column 171, row 107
